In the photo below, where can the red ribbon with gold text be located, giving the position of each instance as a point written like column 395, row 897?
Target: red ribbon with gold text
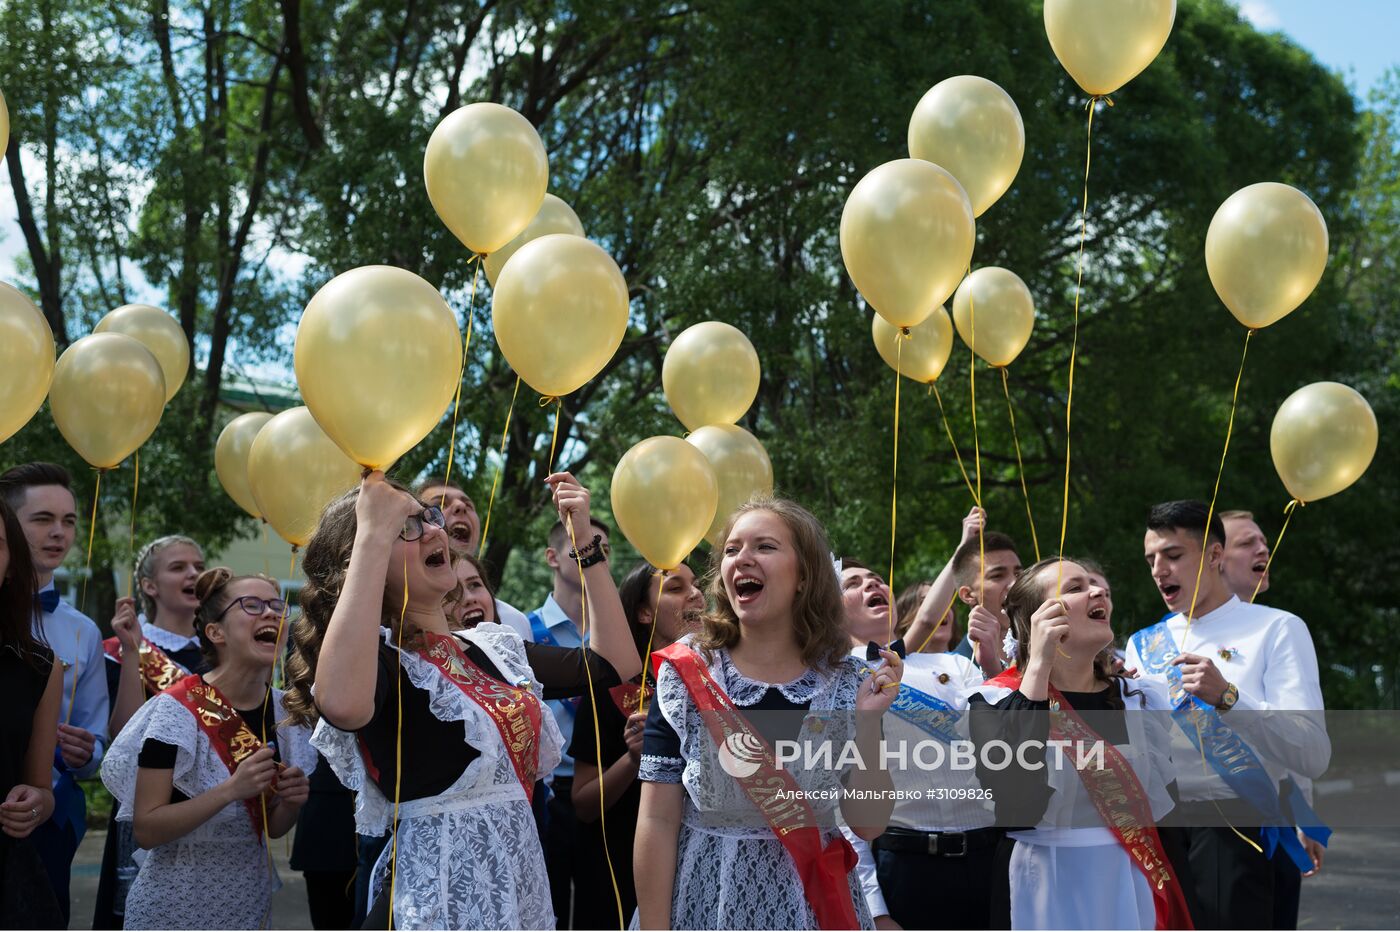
column 515, row 711
column 158, row 671
column 228, row 733
column 822, row 869
column 1121, row 803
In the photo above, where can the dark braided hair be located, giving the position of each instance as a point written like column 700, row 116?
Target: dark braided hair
column 212, row 591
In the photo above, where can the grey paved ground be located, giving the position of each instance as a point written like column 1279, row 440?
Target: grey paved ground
column 1358, row 888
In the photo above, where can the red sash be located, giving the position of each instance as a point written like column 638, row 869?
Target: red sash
column 1121, row 803
column 228, row 733
column 514, row 709
column 775, row 793
column 627, row 697
column 158, row 671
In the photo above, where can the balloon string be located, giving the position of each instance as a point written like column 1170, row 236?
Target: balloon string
column 1287, row 516
column 900, row 337
column 1074, row 341
column 593, row 696
column 1020, row 466
column 398, row 745
column 956, row 452
column 131, row 540
column 1215, row 493
column 651, row 637
column 82, row 597
column 554, row 437
column 476, row 260
column 500, row 464
column 941, row 619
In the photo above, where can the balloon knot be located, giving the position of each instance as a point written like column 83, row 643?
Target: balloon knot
column 904, row 332
column 547, row 400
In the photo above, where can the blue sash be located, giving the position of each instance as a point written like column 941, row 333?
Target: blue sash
column 929, row 714
column 540, row 631
column 1229, row 755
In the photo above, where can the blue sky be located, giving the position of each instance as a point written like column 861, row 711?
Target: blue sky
column 1359, row 38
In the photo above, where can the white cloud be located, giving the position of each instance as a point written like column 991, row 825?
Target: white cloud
column 1261, row 14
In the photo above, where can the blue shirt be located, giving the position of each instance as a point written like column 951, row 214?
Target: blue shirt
column 550, row 625
column 77, row 644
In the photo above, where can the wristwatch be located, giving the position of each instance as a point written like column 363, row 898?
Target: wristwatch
column 1228, row 698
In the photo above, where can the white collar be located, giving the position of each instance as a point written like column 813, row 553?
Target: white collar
column 166, row 640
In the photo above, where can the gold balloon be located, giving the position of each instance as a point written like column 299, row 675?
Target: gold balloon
column 971, row 127
column 106, row 397
column 26, row 360
column 560, row 312
column 295, row 471
column 664, row 496
column 710, row 374
column 1004, row 314
column 486, row 172
column 554, row 216
column 159, row 333
column 1265, row 251
column 742, row 469
column 377, row 358
column 924, row 352
column 1323, row 438
column 231, row 458
column 906, row 238
column 4, row 125
column 1104, row 44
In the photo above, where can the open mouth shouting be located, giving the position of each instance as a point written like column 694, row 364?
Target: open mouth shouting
column 877, row 602
column 266, row 632
column 1171, row 592
column 747, row 589
column 1259, row 567
column 474, row 616
column 1099, row 613
column 436, row 558
column 461, row 532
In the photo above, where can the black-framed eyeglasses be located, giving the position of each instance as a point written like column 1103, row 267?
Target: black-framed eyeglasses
column 413, row 525
column 254, row 606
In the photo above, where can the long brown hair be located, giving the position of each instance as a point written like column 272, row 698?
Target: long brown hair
column 325, row 562
column 817, row 611
column 1026, row 595
column 19, row 589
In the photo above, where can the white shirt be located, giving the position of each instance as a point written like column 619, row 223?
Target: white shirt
column 926, row 673
column 514, row 619
column 1268, row 655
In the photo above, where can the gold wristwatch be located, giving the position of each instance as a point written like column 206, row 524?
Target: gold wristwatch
column 1228, row 698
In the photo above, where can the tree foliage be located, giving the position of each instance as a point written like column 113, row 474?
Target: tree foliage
column 233, row 156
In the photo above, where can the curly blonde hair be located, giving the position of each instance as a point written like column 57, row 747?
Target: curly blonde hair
column 817, row 611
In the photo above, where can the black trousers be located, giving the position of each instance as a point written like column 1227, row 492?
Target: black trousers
column 1288, row 890
column 929, row 891
column 1229, row 884
column 330, row 895
column 560, row 851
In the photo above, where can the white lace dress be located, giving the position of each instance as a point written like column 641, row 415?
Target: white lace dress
column 470, row 857
column 219, row 876
column 731, row 871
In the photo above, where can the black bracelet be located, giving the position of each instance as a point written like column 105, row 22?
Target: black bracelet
column 590, row 554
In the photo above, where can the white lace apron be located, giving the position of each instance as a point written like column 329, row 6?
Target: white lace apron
column 469, row 857
column 218, row 876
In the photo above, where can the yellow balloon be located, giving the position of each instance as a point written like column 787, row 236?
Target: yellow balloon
column 906, row 238
column 925, row 350
column 377, row 358
column 26, row 360
column 1000, row 305
column 971, row 127
column 106, row 397
column 1323, row 438
column 742, row 469
column 664, row 496
column 295, row 471
column 1104, row 44
column 1265, row 251
column 159, row 333
column 231, row 458
column 4, row 125
column 554, row 216
column 710, row 374
column 486, row 172
column 560, row 312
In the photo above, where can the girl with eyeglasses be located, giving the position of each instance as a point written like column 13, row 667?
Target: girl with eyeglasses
column 146, row 655
column 204, row 773
column 461, row 709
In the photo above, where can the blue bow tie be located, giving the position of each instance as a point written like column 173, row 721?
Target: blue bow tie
column 48, row 600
